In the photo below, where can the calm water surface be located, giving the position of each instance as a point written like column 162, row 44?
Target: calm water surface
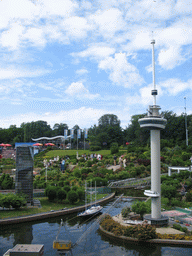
column 94, row 244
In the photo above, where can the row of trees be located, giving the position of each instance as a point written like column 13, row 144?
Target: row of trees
column 106, row 132
column 173, row 134
column 59, row 194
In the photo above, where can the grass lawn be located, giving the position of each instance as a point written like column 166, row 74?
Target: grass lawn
column 46, row 207
column 53, row 153
column 61, row 153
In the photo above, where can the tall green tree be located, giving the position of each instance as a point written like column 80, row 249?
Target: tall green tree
column 109, row 119
column 36, row 129
column 107, row 131
column 58, row 129
column 135, row 134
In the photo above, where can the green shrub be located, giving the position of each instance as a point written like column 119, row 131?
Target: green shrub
column 61, row 194
column 77, row 173
column 89, row 163
column 145, row 232
column 95, row 148
column 114, row 148
column 94, row 160
column 72, row 196
column 51, row 192
column 81, row 193
column 61, row 183
column 125, row 211
column 6, row 182
column 139, row 208
column 99, row 181
column 66, row 183
column 12, row 200
column 179, row 227
column 74, row 188
column 67, row 188
column 142, row 232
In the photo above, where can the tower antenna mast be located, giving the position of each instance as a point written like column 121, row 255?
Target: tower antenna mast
column 154, row 91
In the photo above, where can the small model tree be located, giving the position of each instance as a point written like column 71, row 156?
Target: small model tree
column 72, row 196
column 139, row 208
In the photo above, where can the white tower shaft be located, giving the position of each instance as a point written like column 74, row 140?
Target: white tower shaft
column 155, row 174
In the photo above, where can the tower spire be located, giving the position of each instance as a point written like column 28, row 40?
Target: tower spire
column 154, row 91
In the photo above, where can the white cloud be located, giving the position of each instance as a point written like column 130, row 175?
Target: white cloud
column 121, row 71
column 175, row 86
column 82, row 71
column 98, row 52
column 11, row 38
column 78, row 90
column 109, row 21
column 171, row 87
column 76, row 27
column 86, row 5
column 54, row 33
column 11, row 10
column 169, row 58
column 149, row 68
column 183, row 7
column 35, row 36
column 12, row 72
column 145, row 9
column 84, row 117
column 58, row 7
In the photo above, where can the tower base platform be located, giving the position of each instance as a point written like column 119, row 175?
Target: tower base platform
column 163, row 221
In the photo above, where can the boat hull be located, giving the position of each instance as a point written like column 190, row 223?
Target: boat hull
column 94, row 210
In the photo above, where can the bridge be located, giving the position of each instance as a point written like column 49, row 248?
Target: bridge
column 131, row 183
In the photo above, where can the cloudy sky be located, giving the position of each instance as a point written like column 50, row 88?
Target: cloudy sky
column 72, row 61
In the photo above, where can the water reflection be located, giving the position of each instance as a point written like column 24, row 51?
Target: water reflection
column 95, row 244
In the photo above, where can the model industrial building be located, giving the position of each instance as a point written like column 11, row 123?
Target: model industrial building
column 26, row 249
column 24, row 172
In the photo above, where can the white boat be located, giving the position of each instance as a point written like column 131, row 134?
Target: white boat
column 94, row 209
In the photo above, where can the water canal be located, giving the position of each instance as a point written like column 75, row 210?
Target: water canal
column 95, row 244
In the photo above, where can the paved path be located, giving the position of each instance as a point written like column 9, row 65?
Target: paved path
column 114, row 167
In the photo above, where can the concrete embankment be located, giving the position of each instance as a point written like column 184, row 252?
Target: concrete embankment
column 151, row 241
column 45, row 215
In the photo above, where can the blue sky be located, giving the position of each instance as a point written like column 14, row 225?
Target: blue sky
column 65, row 61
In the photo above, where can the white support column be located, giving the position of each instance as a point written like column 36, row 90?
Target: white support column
column 169, row 171
column 155, row 174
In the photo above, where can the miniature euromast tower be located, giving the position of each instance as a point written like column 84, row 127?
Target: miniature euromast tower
column 154, row 122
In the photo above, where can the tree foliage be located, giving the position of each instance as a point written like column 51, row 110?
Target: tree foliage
column 109, row 120
column 12, row 200
column 168, row 191
column 72, row 196
column 108, row 131
column 6, row 182
column 58, row 129
column 139, row 208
